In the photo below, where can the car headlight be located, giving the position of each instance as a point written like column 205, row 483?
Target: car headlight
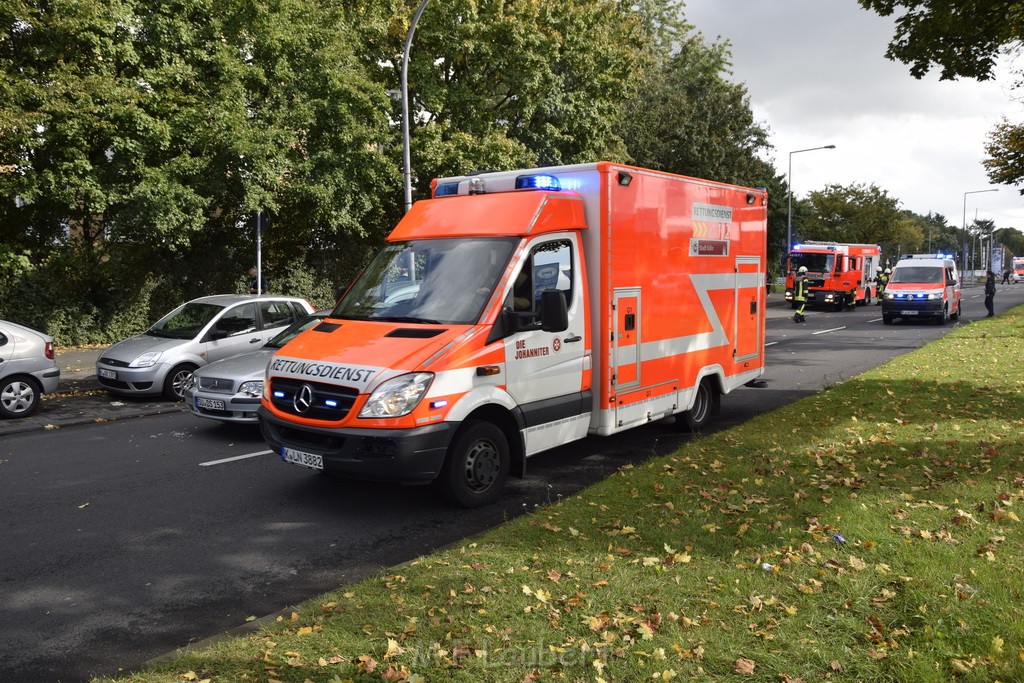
column 933, row 295
column 890, row 295
column 146, row 360
column 398, row 396
column 253, row 388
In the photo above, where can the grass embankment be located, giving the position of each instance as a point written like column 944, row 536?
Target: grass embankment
column 869, row 533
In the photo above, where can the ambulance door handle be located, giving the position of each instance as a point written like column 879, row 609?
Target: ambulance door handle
column 573, row 339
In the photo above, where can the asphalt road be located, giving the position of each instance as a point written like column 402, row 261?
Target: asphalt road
column 123, row 540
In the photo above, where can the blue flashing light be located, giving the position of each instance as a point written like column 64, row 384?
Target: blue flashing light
column 446, row 189
column 797, row 246
column 441, row 403
column 278, row 394
column 540, row 181
column 330, row 403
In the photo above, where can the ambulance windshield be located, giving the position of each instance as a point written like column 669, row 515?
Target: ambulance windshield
column 438, row 281
column 816, row 263
column 927, row 275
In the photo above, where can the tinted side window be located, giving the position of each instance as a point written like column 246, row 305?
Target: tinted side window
column 300, row 312
column 275, row 313
column 239, row 320
column 3, row 338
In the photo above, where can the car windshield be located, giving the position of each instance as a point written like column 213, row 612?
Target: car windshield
column 440, row 281
column 293, row 331
column 816, row 263
column 929, row 275
column 185, row 322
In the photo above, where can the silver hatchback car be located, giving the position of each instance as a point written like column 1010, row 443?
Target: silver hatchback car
column 229, row 390
column 27, row 369
column 162, row 359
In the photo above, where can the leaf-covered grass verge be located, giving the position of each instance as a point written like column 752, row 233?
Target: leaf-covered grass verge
column 868, row 533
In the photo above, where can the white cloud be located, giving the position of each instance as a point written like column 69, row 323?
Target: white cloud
column 817, row 74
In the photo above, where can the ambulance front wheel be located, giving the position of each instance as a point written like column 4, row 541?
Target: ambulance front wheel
column 705, row 404
column 476, row 468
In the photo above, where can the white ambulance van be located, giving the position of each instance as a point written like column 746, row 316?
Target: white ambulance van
column 518, row 311
column 923, row 286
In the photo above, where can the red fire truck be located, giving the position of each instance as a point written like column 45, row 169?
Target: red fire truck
column 834, row 270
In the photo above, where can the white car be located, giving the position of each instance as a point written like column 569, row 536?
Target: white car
column 27, row 369
column 162, row 359
column 229, row 390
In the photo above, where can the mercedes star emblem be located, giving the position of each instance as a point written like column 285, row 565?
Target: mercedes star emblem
column 303, row 400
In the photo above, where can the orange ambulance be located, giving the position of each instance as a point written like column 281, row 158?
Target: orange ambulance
column 518, row 311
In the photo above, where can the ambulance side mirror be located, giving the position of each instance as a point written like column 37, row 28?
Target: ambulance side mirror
column 554, row 314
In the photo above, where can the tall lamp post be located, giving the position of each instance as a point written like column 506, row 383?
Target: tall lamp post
column 406, row 162
column 964, row 254
column 789, row 186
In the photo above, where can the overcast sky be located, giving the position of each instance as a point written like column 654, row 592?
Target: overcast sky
column 817, row 74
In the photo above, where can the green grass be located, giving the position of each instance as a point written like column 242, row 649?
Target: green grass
column 868, row 533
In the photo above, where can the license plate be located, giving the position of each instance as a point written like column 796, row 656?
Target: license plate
column 310, row 460
column 209, row 404
column 908, row 312
column 109, row 374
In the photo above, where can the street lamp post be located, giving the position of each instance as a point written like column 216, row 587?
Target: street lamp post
column 406, row 161
column 789, row 187
column 963, row 257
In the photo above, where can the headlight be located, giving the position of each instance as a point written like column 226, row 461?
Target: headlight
column 933, row 295
column 397, row 396
column 146, row 360
column 253, row 388
column 890, row 295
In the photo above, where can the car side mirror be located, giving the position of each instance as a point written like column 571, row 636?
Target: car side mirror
column 554, row 313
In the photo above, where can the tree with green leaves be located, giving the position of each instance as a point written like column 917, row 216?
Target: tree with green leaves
column 861, row 213
column 962, row 37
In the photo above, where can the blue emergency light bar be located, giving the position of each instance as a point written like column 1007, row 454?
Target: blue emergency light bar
column 540, row 181
column 446, row 189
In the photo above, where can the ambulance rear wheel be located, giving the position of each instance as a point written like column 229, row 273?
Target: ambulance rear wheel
column 705, row 404
column 476, row 468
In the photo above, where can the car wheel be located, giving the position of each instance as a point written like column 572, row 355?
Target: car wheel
column 19, row 396
column 176, row 380
column 476, row 468
column 705, row 404
column 954, row 316
column 945, row 316
column 886, row 319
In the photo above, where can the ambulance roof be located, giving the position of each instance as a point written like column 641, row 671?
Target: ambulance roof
column 925, row 260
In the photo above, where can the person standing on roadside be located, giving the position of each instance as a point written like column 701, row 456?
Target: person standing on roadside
column 990, row 293
column 1006, row 276
column 800, row 294
column 256, row 284
column 880, row 281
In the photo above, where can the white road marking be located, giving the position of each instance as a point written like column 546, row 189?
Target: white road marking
column 834, row 329
column 237, row 457
column 770, row 343
column 976, row 296
column 874, row 320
